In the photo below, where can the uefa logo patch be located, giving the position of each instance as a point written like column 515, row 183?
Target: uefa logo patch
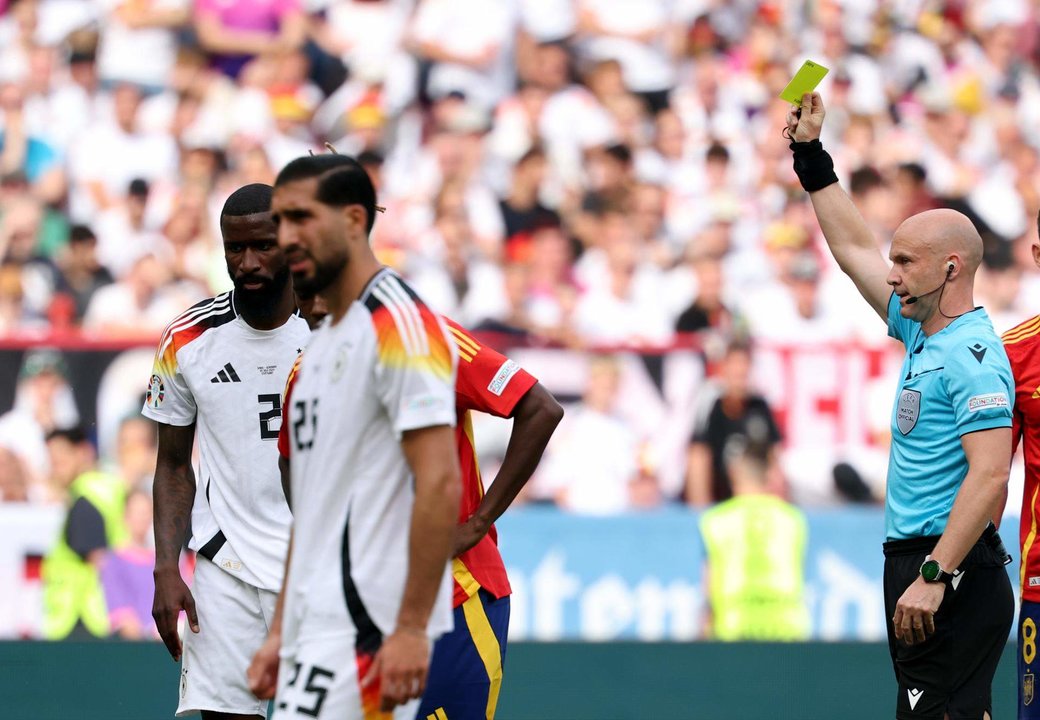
column 156, row 392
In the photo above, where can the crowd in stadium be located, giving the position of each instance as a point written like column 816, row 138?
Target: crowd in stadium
column 587, row 174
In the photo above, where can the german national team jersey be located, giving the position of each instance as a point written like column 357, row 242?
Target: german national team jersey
column 491, row 383
column 214, row 370
column 386, row 367
column 1022, row 344
column 954, row 382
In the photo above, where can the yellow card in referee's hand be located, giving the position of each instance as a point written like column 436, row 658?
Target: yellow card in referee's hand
column 804, row 81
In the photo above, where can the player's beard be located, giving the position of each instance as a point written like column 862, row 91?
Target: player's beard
column 264, row 300
column 324, row 274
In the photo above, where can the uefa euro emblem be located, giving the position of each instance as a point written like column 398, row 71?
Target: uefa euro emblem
column 1027, row 688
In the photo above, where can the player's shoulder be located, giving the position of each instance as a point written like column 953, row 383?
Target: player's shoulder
column 397, row 310
column 1024, row 335
column 195, row 321
column 466, row 345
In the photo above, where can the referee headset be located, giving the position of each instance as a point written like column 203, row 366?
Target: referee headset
column 950, row 267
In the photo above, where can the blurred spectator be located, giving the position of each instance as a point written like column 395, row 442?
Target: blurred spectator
column 455, row 279
column 707, row 311
column 20, row 228
column 139, row 41
column 522, row 210
column 136, row 445
column 622, row 302
column 21, row 151
column 234, row 32
column 82, row 274
column 755, row 545
column 43, row 403
column 118, row 152
column 140, row 303
column 465, row 44
column 733, row 409
column 126, row 574
column 74, row 601
column 14, row 479
column 591, row 466
column 123, row 233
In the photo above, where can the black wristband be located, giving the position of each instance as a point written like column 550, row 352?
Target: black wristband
column 813, row 166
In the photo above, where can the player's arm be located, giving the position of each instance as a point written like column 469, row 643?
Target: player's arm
column 403, row 661
column 989, row 459
column 262, row 674
column 849, row 238
column 535, row 419
column 173, row 494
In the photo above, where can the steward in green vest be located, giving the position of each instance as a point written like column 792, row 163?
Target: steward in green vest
column 755, row 545
column 72, row 592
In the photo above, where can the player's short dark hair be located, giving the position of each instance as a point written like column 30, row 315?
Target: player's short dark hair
column 249, row 199
column 341, row 181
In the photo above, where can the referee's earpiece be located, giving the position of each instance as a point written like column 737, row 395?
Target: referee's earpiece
column 950, row 267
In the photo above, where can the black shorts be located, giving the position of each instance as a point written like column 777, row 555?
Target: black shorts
column 952, row 671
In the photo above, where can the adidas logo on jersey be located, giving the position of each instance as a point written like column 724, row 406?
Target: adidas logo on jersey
column 226, row 374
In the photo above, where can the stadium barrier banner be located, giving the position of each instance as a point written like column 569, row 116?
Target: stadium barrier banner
column 639, row 576
column 632, row 577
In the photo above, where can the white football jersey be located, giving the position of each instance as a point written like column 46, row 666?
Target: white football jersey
column 386, row 367
column 215, row 370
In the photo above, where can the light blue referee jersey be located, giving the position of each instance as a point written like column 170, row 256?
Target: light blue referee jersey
column 952, row 383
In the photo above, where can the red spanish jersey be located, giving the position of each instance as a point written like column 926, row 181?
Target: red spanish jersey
column 1023, row 349
column 487, row 382
column 283, row 431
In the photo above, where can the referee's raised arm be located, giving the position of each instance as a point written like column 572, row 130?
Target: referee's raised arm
column 848, row 237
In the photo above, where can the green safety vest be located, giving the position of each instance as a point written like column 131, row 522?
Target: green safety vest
column 71, row 586
column 756, row 556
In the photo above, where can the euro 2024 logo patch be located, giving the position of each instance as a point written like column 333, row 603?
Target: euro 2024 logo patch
column 156, row 392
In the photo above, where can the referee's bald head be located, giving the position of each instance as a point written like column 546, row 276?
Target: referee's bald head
column 943, row 232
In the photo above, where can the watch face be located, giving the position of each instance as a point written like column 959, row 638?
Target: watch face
column 930, row 570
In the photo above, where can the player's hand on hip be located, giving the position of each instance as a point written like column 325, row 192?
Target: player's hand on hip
column 262, row 674
column 400, row 666
column 914, row 619
column 805, row 123
column 172, row 596
column 467, row 535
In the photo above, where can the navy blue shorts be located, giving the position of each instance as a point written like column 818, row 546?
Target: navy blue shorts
column 466, row 669
column 1028, row 663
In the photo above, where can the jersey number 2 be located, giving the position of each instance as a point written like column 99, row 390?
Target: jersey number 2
column 267, row 416
column 305, row 414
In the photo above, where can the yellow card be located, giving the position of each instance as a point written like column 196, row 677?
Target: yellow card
column 804, row 81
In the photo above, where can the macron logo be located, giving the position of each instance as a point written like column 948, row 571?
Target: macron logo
column 914, row 696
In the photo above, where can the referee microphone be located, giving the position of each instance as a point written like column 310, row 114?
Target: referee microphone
column 914, row 298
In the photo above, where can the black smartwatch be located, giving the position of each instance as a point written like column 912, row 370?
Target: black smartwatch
column 932, row 571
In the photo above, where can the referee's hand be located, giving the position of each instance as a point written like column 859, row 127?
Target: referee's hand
column 914, row 620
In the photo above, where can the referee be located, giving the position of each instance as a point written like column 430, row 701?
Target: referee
column 947, row 595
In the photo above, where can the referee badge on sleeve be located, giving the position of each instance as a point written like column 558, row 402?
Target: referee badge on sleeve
column 908, row 410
